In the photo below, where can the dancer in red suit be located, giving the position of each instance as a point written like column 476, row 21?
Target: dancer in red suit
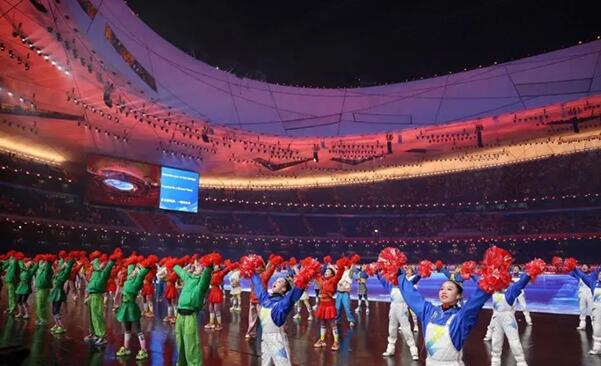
column 216, row 295
column 326, row 310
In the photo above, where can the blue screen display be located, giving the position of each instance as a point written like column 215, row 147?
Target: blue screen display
column 179, row 190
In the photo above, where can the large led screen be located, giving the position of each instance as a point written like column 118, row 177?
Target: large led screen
column 120, row 182
column 179, row 190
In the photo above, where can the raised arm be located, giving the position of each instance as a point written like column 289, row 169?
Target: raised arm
column 516, row 288
column 205, row 280
column 387, row 285
column 280, row 311
column 258, row 288
column 413, row 298
column 180, row 272
column 467, row 317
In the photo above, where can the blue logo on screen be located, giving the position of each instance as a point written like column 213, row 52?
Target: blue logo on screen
column 119, row 184
column 179, row 190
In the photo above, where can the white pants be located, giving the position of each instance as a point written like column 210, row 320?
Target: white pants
column 596, row 318
column 398, row 316
column 585, row 303
column 275, row 350
column 504, row 324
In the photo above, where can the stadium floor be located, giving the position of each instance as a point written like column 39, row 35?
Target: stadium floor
column 552, row 340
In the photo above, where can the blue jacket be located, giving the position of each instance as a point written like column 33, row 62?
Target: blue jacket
column 388, row 286
column 516, row 288
column 591, row 279
column 280, row 305
column 465, row 316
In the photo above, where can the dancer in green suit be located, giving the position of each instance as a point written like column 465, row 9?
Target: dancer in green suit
column 57, row 294
column 190, row 302
column 95, row 291
column 26, row 271
column 129, row 313
column 43, row 284
column 10, row 267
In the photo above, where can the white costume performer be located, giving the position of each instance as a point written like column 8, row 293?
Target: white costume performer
column 503, row 323
column 522, row 302
column 235, row 290
column 594, row 285
column 398, row 318
column 585, row 303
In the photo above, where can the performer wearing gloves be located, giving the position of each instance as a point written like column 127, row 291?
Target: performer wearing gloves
column 96, row 288
column 57, row 293
column 585, row 298
column 195, row 285
column 593, row 281
column 275, row 307
column 129, row 313
column 397, row 316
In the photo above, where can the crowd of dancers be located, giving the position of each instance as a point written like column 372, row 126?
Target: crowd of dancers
column 187, row 283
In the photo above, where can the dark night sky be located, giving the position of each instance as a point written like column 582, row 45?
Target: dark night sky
column 350, row 43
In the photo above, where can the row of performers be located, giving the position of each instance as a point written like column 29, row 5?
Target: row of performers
column 188, row 280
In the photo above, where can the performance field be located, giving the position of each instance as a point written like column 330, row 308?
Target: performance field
column 551, row 340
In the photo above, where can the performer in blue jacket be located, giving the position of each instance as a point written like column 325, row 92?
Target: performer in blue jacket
column 593, row 281
column 275, row 307
column 445, row 326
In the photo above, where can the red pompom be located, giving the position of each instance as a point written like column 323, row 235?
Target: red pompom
column 37, row 258
column 95, row 254
column 150, row 262
column 569, row 264
column 19, row 256
column 292, row 262
column 103, row 258
column 372, row 268
column 495, row 270
column 390, row 261
column 131, row 260
column 310, row 268
column 249, row 264
column 355, row 259
column 62, row 254
column 467, row 269
column 343, row 262
column 534, row 268
column 276, row 260
column 424, row 269
column 327, row 259
column 117, row 254
column 438, row 264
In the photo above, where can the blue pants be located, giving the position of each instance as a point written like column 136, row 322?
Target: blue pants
column 343, row 300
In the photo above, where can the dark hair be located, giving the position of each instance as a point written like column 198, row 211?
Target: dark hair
column 458, row 286
column 288, row 285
